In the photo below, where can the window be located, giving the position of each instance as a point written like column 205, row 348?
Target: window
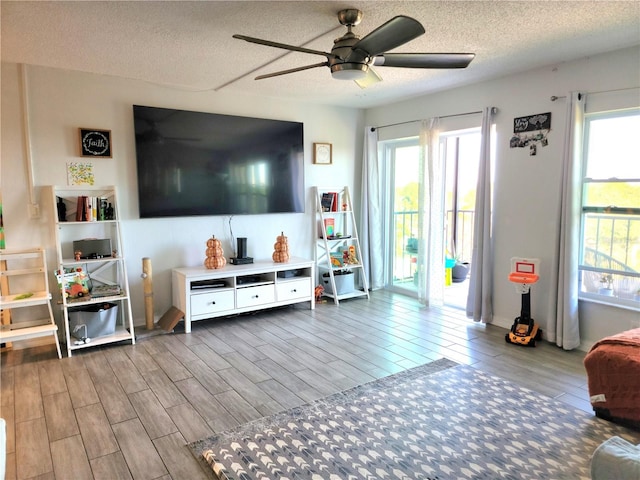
column 610, row 235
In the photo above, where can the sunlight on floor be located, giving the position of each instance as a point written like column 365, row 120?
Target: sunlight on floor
column 455, row 295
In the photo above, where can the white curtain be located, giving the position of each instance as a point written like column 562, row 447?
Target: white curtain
column 371, row 213
column 562, row 319
column 430, row 217
column 480, row 297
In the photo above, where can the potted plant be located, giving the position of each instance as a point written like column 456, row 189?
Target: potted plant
column 460, row 271
column 606, row 285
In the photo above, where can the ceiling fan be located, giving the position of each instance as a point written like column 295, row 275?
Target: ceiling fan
column 352, row 57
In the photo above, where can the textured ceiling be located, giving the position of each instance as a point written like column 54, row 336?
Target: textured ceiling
column 189, row 45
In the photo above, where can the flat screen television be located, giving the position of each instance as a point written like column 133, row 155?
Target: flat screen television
column 196, row 163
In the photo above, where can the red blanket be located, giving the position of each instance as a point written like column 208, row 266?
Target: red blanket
column 613, row 371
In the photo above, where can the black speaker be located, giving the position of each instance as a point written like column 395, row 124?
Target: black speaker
column 242, row 247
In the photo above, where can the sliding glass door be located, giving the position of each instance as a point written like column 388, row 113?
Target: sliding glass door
column 402, row 158
column 460, row 151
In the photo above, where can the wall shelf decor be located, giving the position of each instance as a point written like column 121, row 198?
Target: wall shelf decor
column 95, row 143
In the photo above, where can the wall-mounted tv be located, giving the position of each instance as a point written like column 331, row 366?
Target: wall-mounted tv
column 196, row 163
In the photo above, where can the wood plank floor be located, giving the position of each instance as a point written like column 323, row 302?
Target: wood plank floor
column 127, row 411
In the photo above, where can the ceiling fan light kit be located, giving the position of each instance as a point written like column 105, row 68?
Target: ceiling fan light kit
column 351, row 57
column 349, row 71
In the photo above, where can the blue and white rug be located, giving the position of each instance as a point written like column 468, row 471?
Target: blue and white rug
column 438, row 421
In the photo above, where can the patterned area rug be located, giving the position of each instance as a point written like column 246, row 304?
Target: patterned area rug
column 438, row 421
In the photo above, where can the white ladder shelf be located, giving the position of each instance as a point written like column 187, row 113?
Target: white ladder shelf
column 330, row 247
column 19, row 268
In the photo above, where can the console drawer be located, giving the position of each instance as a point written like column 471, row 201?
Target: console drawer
column 212, row 302
column 293, row 289
column 259, row 295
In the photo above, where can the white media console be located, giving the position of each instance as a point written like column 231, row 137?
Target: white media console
column 203, row 293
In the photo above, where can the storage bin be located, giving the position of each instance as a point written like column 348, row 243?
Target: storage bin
column 344, row 283
column 93, row 321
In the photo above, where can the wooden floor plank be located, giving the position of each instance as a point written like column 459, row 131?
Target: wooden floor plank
column 98, row 365
column 51, row 378
column 10, row 467
column 81, row 387
column 206, row 405
column 178, row 459
column 33, row 454
column 110, row 467
column 61, row 419
column 189, row 422
column 7, row 383
column 152, row 414
column 96, row 432
column 248, row 390
column 208, row 355
column 28, row 399
column 171, row 366
column 207, row 377
column 116, row 404
column 70, row 459
column 166, row 391
column 142, row 458
column 239, row 408
column 248, row 368
column 10, row 428
column 129, row 376
column 143, row 361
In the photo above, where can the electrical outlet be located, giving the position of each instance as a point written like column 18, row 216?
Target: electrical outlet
column 34, row 210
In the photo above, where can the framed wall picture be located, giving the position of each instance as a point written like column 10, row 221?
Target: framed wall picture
column 95, row 143
column 322, row 153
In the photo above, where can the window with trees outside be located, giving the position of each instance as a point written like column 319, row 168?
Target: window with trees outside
column 610, row 231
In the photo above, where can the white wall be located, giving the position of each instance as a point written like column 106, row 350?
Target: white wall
column 61, row 101
column 527, row 188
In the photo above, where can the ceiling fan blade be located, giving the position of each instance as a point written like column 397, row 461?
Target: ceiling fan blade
column 424, row 60
column 292, row 70
column 371, row 78
column 397, row 31
column 284, row 46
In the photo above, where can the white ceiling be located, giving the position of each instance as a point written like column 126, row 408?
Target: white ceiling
column 189, row 45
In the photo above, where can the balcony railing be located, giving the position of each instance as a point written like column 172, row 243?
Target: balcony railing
column 405, row 225
column 600, row 260
column 610, row 264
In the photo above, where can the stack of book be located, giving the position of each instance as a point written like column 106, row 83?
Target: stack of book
column 91, row 209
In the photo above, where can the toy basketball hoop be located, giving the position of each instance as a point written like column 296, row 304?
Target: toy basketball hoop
column 524, row 273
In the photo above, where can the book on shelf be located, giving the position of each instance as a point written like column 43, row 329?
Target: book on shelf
column 106, row 291
column 334, row 201
column 80, row 207
column 92, row 209
column 337, row 259
column 329, row 202
column 102, row 208
column 329, row 227
column 326, row 202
